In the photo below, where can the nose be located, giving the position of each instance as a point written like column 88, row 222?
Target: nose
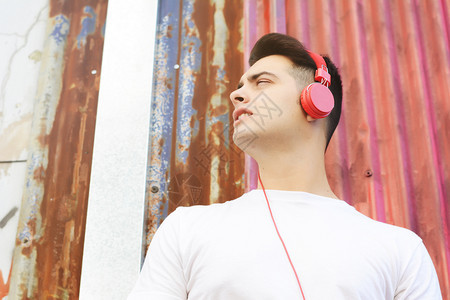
column 238, row 96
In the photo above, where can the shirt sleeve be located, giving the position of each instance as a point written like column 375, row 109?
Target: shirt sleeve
column 419, row 279
column 161, row 277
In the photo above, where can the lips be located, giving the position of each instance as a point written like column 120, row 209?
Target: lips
column 240, row 111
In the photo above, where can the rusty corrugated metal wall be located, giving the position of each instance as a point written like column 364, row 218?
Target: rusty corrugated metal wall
column 390, row 156
column 49, row 244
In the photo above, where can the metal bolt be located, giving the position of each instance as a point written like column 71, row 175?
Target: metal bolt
column 368, row 173
column 155, row 189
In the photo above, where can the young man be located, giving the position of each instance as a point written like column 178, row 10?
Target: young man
column 291, row 238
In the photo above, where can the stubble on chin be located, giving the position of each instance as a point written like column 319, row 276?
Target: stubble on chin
column 244, row 136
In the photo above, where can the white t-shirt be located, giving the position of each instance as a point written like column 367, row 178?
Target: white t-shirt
column 231, row 251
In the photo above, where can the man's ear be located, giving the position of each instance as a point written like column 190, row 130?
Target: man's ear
column 309, row 118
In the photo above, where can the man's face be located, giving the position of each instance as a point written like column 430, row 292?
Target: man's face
column 271, row 95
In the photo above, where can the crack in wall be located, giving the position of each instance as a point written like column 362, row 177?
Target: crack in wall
column 25, row 38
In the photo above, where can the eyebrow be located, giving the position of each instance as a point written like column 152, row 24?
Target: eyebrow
column 255, row 76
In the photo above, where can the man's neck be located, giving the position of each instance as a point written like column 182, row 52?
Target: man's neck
column 295, row 172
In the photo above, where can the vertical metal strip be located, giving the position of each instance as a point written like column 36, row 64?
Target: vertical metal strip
column 341, row 132
column 399, row 105
column 444, row 11
column 432, row 131
column 30, row 220
column 370, row 113
column 391, row 183
column 437, row 55
column 251, row 166
column 306, row 39
column 161, row 127
column 49, row 245
column 356, row 122
column 280, row 15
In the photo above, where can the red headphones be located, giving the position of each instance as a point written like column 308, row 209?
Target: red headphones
column 317, row 99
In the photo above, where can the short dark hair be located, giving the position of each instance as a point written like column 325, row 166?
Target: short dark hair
column 281, row 44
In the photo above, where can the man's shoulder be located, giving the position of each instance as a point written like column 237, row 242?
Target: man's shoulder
column 200, row 211
column 391, row 233
column 210, row 212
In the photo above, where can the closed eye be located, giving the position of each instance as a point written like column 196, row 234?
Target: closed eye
column 262, row 81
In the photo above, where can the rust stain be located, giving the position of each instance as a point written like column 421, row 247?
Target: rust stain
column 168, row 83
column 4, row 286
column 28, row 241
column 219, row 110
column 172, row 167
column 169, row 31
column 43, row 139
column 39, row 174
column 211, row 101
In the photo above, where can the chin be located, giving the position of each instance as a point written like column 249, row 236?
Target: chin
column 245, row 142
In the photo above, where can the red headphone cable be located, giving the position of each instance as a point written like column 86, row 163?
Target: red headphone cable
column 281, row 239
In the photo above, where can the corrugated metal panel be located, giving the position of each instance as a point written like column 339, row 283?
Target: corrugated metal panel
column 390, row 156
column 191, row 159
column 49, row 244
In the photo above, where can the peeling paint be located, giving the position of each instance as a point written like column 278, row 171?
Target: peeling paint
column 60, row 29
column 88, row 26
column 190, row 58
column 35, row 56
column 161, row 118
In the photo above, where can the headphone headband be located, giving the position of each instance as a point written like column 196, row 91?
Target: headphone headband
column 322, row 74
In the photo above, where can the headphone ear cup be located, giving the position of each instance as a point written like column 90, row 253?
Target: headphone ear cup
column 317, row 100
